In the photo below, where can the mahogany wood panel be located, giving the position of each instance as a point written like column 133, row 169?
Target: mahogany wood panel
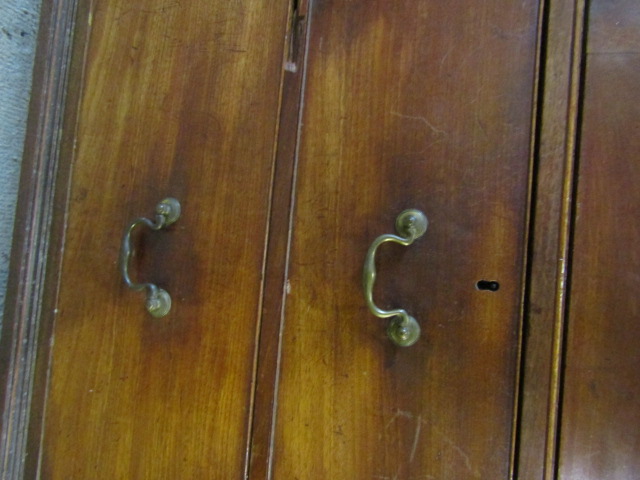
column 599, row 435
column 178, row 99
column 408, row 104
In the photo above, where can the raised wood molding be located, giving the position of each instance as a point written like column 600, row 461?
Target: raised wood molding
column 550, row 237
column 278, row 250
column 28, row 293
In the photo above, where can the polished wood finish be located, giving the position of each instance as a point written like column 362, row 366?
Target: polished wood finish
column 544, row 322
column 408, row 105
column 165, row 111
column 600, row 434
column 26, row 332
column 294, row 133
column 279, row 244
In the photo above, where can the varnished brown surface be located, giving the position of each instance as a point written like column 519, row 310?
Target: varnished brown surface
column 599, row 435
column 277, row 252
column 30, row 296
column 418, row 105
column 561, row 57
column 406, row 105
column 178, row 99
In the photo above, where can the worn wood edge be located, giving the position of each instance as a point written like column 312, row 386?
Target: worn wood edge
column 560, row 99
column 280, row 229
column 535, row 129
column 543, row 231
column 275, row 208
column 24, row 342
column 564, row 247
column 552, row 210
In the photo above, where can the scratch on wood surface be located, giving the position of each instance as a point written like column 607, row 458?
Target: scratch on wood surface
column 406, row 414
column 398, row 413
column 416, row 437
column 161, row 9
column 444, row 57
column 395, row 477
column 503, row 34
column 422, row 119
column 480, row 125
column 465, row 457
column 419, row 420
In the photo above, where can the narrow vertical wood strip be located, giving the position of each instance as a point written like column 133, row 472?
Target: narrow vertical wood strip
column 33, row 235
column 549, row 237
column 528, row 239
column 564, row 247
column 274, row 294
column 277, row 210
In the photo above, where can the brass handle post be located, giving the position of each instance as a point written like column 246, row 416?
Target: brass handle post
column 403, row 329
column 158, row 301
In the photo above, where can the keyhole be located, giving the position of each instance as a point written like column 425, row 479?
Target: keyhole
column 490, row 285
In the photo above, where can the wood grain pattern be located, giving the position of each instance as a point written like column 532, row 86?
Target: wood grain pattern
column 408, row 105
column 549, row 238
column 278, row 247
column 425, row 105
column 600, row 413
column 31, row 290
column 182, row 100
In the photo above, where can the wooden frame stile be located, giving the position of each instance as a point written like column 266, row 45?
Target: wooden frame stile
column 279, row 244
column 550, row 239
column 38, row 237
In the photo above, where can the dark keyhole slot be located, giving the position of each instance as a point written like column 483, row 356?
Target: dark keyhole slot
column 488, row 285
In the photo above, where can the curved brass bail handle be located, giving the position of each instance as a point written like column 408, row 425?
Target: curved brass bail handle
column 158, row 300
column 403, row 329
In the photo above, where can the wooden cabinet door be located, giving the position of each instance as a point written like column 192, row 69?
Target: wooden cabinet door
column 423, row 105
column 270, row 364
column 174, row 99
column 599, row 427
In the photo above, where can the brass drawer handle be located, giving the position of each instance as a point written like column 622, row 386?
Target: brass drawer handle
column 158, row 300
column 403, row 330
